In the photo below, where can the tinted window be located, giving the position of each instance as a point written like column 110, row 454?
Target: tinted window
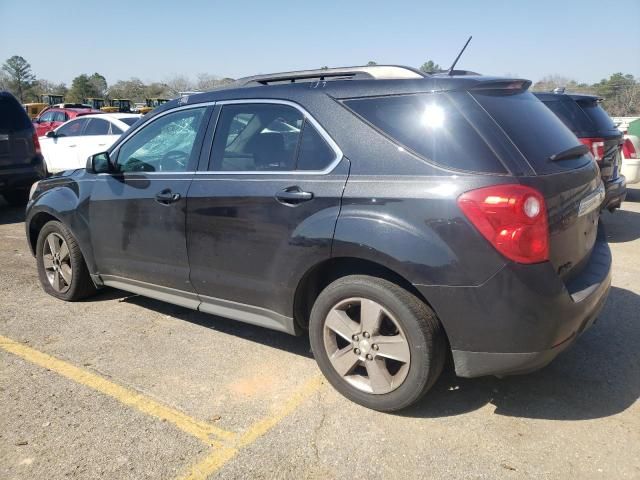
column 12, row 116
column 97, row 126
column 164, row 145
column 431, row 126
column 597, row 114
column 533, row 128
column 570, row 113
column 256, row 137
column 314, row 153
column 72, row 128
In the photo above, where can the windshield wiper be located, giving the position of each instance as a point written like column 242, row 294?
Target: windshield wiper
column 572, row 152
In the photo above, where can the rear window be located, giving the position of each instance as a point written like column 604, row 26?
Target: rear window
column 597, row 114
column 571, row 114
column 12, row 115
column 534, row 129
column 430, row 126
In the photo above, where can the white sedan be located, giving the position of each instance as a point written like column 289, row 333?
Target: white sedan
column 68, row 146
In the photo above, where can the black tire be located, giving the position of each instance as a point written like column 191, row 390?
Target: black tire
column 16, row 198
column 422, row 329
column 81, row 285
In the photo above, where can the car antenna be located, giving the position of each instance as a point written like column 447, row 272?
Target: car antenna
column 450, row 73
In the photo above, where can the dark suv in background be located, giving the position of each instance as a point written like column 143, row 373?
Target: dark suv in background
column 397, row 217
column 21, row 163
column 585, row 117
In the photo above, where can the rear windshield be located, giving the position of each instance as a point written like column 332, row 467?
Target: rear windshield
column 12, row 115
column 571, row 114
column 535, row 130
column 597, row 114
column 430, row 126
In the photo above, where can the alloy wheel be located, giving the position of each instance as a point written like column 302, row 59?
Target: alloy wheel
column 57, row 262
column 366, row 345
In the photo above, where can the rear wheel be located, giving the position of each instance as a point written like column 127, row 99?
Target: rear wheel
column 377, row 344
column 61, row 267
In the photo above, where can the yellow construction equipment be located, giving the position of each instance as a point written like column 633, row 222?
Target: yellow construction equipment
column 95, row 103
column 122, row 105
column 151, row 104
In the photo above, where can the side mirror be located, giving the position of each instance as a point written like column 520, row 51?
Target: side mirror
column 51, row 134
column 100, row 163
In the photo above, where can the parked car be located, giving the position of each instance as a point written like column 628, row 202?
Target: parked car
column 53, row 117
column 68, row 146
column 415, row 217
column 20, row 159
column 584, row 115
column 631, row 159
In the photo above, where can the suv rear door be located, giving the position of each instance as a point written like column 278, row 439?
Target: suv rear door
column 263, row 210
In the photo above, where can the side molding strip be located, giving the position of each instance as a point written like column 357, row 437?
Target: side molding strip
column 215, row 306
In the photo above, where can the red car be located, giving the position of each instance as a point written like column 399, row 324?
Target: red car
column 55, row 116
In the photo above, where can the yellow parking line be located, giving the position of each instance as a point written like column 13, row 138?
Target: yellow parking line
column 219, row 457
column 196, row 428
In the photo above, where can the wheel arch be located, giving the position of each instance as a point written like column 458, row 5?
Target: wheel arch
column 327, row 271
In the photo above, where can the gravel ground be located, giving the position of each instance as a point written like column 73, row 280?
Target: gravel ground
column 579, row 417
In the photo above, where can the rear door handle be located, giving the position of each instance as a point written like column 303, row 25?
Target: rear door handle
column 293, row 196
column 167, row 197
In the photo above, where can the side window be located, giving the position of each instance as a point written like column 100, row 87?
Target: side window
column 97, row 126
column 47, row 117
column 256, row 137
column 164, row 145
column 59, row 117
column 73, row 128
column 314, row 153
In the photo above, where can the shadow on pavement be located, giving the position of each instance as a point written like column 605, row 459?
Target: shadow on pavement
column 621, row 226
column 596, row 377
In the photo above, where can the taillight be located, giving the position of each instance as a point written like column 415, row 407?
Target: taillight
column 596, row 145
column 512, row 217
column 628, row 150
column 36, row 143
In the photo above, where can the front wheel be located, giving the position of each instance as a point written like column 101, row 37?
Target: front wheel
column 377, row 344
column 61, row 267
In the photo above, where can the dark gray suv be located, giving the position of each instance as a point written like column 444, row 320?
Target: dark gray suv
column 397, row 217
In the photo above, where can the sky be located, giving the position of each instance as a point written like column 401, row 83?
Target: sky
column 157, row 40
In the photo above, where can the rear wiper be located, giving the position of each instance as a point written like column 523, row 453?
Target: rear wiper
column 572, row 152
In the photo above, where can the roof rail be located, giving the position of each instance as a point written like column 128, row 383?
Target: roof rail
column 369, row 72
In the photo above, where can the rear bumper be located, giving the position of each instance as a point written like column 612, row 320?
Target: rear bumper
column 522, row 317
column 616, row 191
column 15, row 178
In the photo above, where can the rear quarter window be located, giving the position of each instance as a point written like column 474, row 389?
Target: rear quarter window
column 430, row 126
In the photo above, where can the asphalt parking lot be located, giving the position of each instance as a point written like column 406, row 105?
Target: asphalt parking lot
column 121, row 386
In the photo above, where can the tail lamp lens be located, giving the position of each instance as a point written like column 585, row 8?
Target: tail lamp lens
column 513, row 218
column 596, row 145
column 628, row 149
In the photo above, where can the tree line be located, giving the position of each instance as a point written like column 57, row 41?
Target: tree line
column 621, row 92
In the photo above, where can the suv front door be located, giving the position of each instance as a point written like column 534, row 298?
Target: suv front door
column 138, row 214
column 263, row 211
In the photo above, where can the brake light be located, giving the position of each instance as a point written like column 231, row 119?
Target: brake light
column 628, row 150
column 513, row 218
column 596, row 145
column 36, row 143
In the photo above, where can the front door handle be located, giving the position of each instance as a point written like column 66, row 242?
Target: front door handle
column 167, row 197
column 293, row 196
